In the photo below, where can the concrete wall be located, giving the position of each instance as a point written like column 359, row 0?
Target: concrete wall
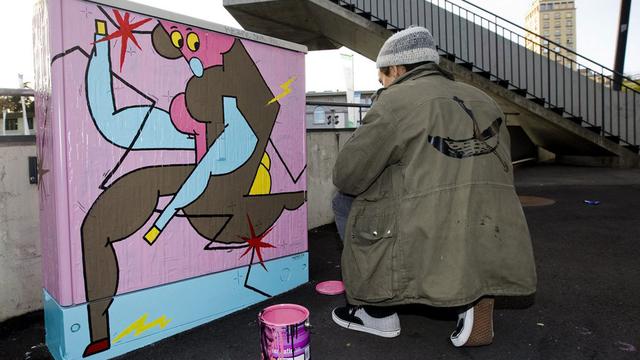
column 20, row 256
column 322, row 151
column 20, row 260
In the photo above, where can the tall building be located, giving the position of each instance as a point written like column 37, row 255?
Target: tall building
column 554, row 20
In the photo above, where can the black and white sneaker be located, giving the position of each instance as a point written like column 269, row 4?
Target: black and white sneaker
column 356, row 318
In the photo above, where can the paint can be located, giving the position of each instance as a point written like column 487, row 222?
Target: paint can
column 284, row 332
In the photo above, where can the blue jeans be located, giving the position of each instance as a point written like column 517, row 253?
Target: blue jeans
column 341, row 206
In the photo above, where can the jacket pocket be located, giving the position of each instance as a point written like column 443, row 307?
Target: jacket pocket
column 369, row 262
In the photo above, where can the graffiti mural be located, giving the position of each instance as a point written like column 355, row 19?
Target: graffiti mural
column 175, row 135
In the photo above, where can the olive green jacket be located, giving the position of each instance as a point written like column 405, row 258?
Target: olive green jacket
column 436, row 219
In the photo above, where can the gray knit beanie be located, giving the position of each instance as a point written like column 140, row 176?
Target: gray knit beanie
column 412, row 45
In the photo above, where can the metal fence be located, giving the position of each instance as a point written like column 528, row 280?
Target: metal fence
column 525, row 62
column 334, row 115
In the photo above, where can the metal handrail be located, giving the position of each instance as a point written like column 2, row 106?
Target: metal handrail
column 549, row 40
column 338, row 104
column 16, row 92
column 595, row 100
column 359, row 106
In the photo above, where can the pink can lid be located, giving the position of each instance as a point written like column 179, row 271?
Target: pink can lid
column 332, row 287
column 284, row 314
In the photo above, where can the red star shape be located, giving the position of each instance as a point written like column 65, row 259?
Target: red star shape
column 256, row 243
column 125, row 31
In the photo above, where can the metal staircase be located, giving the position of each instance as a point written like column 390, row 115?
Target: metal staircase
column 570, row 95
column 579, row 90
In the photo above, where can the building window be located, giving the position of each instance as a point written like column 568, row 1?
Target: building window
column 11, row 124
column 568, row 15
column 319, row 116
column 546, row 33
column 569, row 23
column 546, row 24
column 557, row 24
column 545, row 16
column 557, row 15
column 557, row 33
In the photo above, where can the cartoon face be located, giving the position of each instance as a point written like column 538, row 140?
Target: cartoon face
column 201, row 49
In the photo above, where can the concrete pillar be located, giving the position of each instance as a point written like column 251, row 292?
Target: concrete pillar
column 4, row 121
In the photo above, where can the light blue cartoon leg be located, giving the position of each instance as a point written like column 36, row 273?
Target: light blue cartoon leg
column 192, row 188
column 238, row 142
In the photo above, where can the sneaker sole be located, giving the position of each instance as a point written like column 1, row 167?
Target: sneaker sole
column 358, row 327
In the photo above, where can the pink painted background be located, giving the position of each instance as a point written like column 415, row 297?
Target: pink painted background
column 78, row 157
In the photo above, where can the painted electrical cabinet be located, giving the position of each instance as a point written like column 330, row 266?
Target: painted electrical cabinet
column 171, row 162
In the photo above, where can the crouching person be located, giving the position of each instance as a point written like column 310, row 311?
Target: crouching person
column 435, row 219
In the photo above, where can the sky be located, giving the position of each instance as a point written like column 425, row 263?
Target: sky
column 597, row 22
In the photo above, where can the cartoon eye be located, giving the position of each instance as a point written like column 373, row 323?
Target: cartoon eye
column 176, row 39
column 193, row 41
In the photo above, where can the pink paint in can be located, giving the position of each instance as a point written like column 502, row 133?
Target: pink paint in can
column 284, row 332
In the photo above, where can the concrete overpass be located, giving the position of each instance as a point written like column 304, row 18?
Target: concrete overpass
column 564, row 107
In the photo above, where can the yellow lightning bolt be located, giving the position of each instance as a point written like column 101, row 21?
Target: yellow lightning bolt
column 141, row 325
column 287, row 90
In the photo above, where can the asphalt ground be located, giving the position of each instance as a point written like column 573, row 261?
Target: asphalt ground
column 587, row 305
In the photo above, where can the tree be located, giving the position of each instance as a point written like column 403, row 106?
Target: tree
column 631, row 81
column 13, row 104
column 632, row 85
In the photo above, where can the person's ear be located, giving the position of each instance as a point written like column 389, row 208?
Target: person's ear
column 393, row 71
column 163, row 45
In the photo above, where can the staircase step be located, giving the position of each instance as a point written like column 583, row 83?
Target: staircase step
column 634, row 148
column 575, row 119
column 537, row 100
column 503, row 83
column 350, row 7
column 557, row 110
column 449, row 56
column 382, row 23
column 615, row 139
column 364, row 14
column 521, row 92
column 484, row 74
column 466, row 65
column 595, row 129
